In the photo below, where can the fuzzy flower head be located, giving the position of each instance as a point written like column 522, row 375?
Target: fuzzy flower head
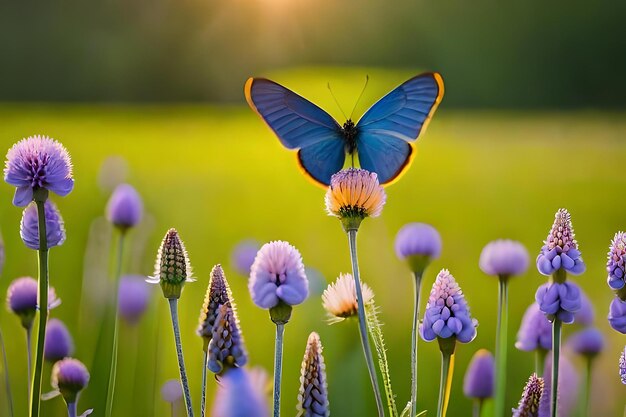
column 559, row 300
column 38, row 162
column 617, row 315
column 531, row 398
column 125, row 207
column 313, row 394
column 479, row 377
column 22, row 299
column 587, row 342
column 243, row 256
column 133, row 298
column 616, row 263
column 238, row 395
column 418, row 244
column 29, row 226
column 560, row 249
column 59, row 343
column 217, row 294
column 172, row 268
column 339, row 299
column 226, row 348
column 447, row 313
column 504, row 258
column 69, row 376
column 353, row 195
column 622, row 366
column 276, row 275
column 535, row 332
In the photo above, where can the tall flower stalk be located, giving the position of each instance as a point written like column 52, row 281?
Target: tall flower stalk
column 5, row 370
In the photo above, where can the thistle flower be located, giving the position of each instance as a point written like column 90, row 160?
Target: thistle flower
column 559, row 300
column 313, row 395
column 29, row 226
column 447, row 313
column 226, row 348
column 353, row 195
column 172, row 269
column 617, row 315
column 276, row 275
column 560, row 249
column 171, row 391
column 237, row 396
column 535, row 331
column 243, row 256
column 69, row 377
column 125, row 208
column 38, row 162
column 217, row 294
column 504, row 258
column 479, row 377
column 59, row 343
column 133, row 298
column 418, row 244
column 531, row 398
column 339, row 299
column 22, row 299
column 567, row 388
column 616, row 263
column 622, row 366
column 587, row 342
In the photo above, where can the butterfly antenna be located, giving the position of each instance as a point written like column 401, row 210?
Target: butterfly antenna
column 336, row 102
column 367, row 78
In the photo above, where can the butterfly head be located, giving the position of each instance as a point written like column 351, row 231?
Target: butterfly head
column 349, row 132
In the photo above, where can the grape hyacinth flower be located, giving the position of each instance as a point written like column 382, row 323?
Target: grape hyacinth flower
column 339, row 299
column 125, row 207
column 478, row 383
column 69, row 378
column 560, row 249
column 535, row 335
column 353, row 195
column 133, row 298
column 29, row 226
column 59, row 343
column 622, row 366
column 243, row 256
column 531, row 398
column 313, row 394
column 226, row 349
column 568, row 387
column 588, row 343
column 616, row 263
column 418, row 244
column 617, row 315
column 237, row 395
column 559, row 301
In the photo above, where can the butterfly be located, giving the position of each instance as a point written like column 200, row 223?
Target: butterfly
column 383, row 138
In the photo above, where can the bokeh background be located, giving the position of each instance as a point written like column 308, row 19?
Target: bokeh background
column 151, row 93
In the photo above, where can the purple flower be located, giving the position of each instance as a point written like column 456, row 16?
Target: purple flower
column 615, row 264
column 504, row 258
column 587, row 342
column 567, row 391
column 172, row 268
column 560, row 249
column 535, row 332
column 559, row 300
column 479, row 377
column 133, row 297
column 171, row 391
column 226, row 349
column 38, row 162
column 29, row 227
column 531, row 398
column 617, row 315
column 622, row 366
column 69, row 376
column 418, row 243
column 59, row 343
column 447, row 313
column 277, row 274
column 217, row 294
column 125, row 207
column 238, row 396
column 243, row 256
column 313, row 394
column 22, row 299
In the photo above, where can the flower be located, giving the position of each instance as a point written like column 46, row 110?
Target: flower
column 69, row 376
column 59, row 343
column 560, row 249
column 226, row 349
column 479, row 377
column 558, row 300
column 22, row 299
column 339, row 299
column 567, row 391
column 622, row 366
column 535, row 331
column 171, row 391
column 38, row 162
column 243, row 256
column 418, row 243
column 172, row 268
column 447, row 313
column 587, row 342
column 531, row 398
column 313, row 394
column 616, row 263
column 238, row 396
column 276, row 275
column 504, row 258
column 617, row 315
column 133, row 298
column 29, row 227
column 217, row 294
column 353, row 195
column 125, row 207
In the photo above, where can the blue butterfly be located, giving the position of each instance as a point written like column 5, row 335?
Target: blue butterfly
column 383, row 139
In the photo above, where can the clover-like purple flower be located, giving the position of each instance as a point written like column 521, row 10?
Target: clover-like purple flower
column 535, row 332
column 276, row 275
column 616, row 263
column 617, row 315
column 587, row 342
column 238, row 396
column 479, row 377
column 560, row 249
column 504, row 258
column 622, row 366
column 69, row 376
column 133, row 297
column 38, row 162
column 447, row 313
column 418, row 239
column 29, row 227
column 59, row 343
column 125, row 207
column 22, row 299
column 243, row 256
column 559, row 300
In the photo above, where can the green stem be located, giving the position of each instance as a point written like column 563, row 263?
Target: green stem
column 367, row 350
column 540, row 360
column 278, row 366
column 556, row 348
column 71, row 409
column 417, row 283
column 29, row 356
column 6, row 374
column 113, row 369
column 477, row 407
column 35, row 393
column 586, row 394
column 447, row 369
column 501, row 346
column 205, row 357
column 179, row 353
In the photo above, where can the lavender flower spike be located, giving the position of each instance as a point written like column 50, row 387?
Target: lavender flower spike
column 238, row 396
column 587, row 342
column 59, row 343
column 125, row 208
column 559, row 300
column 29, row 226
column 479, row 377
column 38, row 162
column 69, row 376
column 504, row 258
column 22, row 299
column 531, row 398
column 535, row 331
column 616, row 263
column 622, row 366
column 226, row 349
column 617, row 315
column 447, row 313
column 133, row 298
column 313, row 395
column 218, row 294
column 560, row 249
column 172, row 268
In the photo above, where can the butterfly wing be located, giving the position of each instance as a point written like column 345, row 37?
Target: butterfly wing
column 386, row 132
column 299, row 124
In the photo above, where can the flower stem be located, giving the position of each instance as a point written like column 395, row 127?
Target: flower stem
column 113, row 369
column 540, row 359
column 278, row 366
column 7, row 382
column 205, row 357
column 417, row 283
column 29, row 356
column 447, row 369
column 367, row 350
column 556, row 350
column 35, row 392
column 179, row 351
column 477, row 407
column 586, row 394
column 71, row 409
column 501, row 346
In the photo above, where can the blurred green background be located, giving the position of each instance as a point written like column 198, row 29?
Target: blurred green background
column 532, row 120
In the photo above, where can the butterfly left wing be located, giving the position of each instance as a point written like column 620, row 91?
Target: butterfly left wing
column 386, row 132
